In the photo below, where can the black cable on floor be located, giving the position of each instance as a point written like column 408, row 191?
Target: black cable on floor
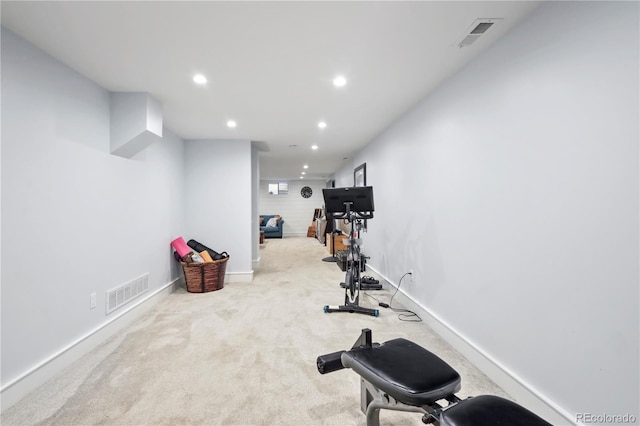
column 405, row 314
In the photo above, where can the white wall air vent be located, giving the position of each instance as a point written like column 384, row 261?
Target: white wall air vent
column 119, row 296
column 476, row 30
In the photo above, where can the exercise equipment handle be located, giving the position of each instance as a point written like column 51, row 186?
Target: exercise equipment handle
column 330, row 362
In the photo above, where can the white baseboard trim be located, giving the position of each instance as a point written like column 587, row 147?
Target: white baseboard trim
column 514, row 385
column 238, row 277
column 18, row 388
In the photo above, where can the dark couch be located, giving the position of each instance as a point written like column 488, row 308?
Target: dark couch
column 271, row 232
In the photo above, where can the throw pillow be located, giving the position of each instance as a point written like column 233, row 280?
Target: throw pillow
column 272, row 223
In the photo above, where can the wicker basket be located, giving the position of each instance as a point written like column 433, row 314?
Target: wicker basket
column 204, row 277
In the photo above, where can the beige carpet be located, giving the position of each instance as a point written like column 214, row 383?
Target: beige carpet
column 244, row 355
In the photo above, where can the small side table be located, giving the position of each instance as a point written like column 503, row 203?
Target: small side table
column 261, row 237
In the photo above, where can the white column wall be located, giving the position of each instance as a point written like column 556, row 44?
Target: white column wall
column 255, row 204
column 512, row 192
column 219, row 194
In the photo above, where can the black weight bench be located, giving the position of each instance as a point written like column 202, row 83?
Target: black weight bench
column 403, row 376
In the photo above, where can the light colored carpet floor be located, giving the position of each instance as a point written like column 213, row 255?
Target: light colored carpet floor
column 243, row 355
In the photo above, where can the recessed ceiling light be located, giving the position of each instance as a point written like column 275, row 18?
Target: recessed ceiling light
column 314, row 147
column 306, row 166
column 301, row 177
column 322, row 124
column 199, row 79
column 303, row 173
column 231, row 124
column 339, row 81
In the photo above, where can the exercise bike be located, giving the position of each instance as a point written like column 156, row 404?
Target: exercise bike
column 353, row 205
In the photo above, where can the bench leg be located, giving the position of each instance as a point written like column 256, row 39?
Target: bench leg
column 372, row 400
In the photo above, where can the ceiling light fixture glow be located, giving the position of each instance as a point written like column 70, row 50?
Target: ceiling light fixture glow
column 322, row 125
column 231, row 124
column 339, row 81
column 199, row 79
column 306, row 166
column 314, row 147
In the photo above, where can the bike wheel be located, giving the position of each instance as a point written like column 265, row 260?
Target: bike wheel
column 353, row 283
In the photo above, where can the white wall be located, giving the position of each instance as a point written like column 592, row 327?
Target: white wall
column 512, row 192
column 296, row 210
column 255, row 202
column 218, row 206
column 75, row 219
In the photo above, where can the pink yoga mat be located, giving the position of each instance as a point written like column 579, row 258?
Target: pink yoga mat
column 181, row 247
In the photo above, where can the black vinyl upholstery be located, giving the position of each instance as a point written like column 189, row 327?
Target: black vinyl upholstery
column 489, row 410
column 404, row 370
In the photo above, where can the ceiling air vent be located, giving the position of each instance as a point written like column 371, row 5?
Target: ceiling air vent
column 476, row 30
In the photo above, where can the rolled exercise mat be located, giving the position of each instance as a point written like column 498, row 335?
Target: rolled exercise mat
column 201, row 247
column 181, row 247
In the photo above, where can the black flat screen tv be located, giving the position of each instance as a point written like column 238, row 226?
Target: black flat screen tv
column 359, row 198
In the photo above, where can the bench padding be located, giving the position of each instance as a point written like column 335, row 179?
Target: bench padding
column 489, row 410
column 404, row 370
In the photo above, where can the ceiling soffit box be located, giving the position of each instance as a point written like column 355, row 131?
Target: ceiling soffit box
column 136, row 122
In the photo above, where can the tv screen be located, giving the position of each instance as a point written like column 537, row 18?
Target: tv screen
column 360, row 199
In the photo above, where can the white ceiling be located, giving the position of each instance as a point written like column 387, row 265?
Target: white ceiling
column 269, row 65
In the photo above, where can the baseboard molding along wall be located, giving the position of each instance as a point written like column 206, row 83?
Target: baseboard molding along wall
column 20, row 387
column 515, row 386
column 238, row 277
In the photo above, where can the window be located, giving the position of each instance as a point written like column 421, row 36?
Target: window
column 279, row 188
